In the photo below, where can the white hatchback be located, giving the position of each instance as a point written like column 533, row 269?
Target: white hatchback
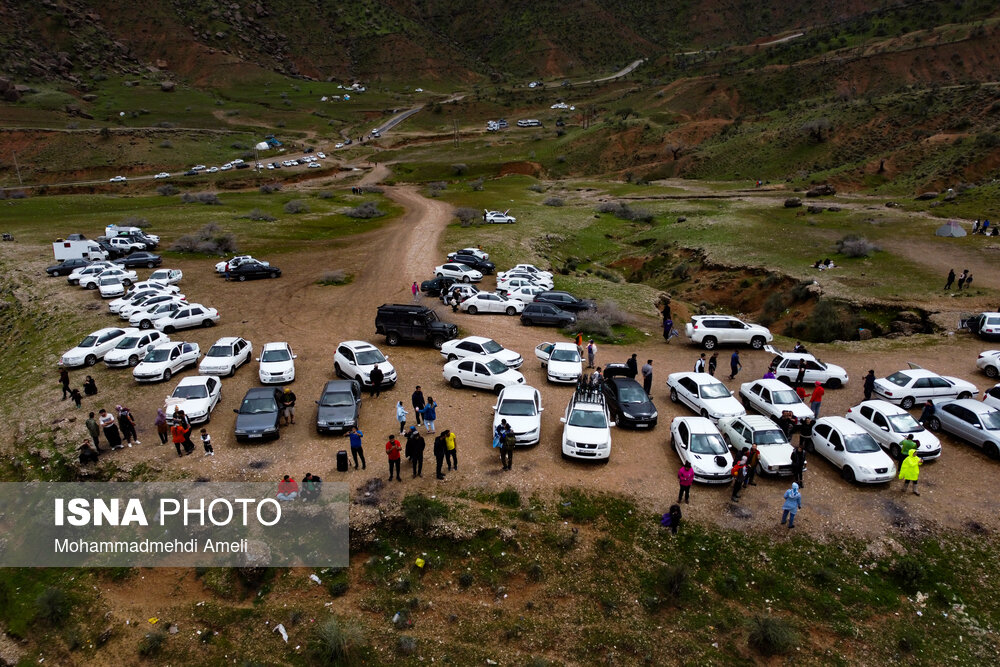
column 697, row 441
column 704, row 394
column 482, row 373
column 197, row 396
column 470, row 346
column 525, row 293
column 460, row 272
column 132, row 348
column 561, row 361
column 853, row 450
column 890, row 424
column 225, row 356
column 488, row 302
column 164, row 360
column 989, row 363
column 772, row 397
column 277, row 363
column 521, row 406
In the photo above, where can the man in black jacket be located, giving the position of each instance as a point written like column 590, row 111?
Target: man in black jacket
column 869, row 384
column 633, row 366
column 415, row 451
column 439, row 451
column 798, row 462
column 376, row 377
column 417, row 400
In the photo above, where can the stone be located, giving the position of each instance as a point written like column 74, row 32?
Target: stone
column 833, row 209
column 814, row 209
column 793, row 202
column 167, row 86
column 89, row 97
column 864, row 334
column 821, row 191
column 681, row 218
column 923, row 196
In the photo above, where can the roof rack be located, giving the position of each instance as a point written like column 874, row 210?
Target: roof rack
column 587, row 393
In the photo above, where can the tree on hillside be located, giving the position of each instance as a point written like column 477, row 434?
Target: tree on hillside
column 818, row 129
column 675, row 149
column 626, row 112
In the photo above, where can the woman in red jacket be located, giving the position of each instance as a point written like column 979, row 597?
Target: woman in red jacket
column 686, row 477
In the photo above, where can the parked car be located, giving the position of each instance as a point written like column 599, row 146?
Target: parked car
column 161, row 175
column 698, row 441
column 277, row 363
column 92, row 281
column 165, row 359
column 513, row 279
column 117, row 179
column 153, row 284
column 566, row 301
column 258, row 415
column 627, row 401
column 974, row 421
column 233, row 262
column 908, row 387
column 111, row 287
column 586, row 427
column 459, row 272
column 525, row 293
column 989, row 363
column 985, row 325
column 532, row 270
column 991, row 396
column 92, row 269
column 399, row 322
column 471, row 251
column 890, row 424
column 479, row 346
column 853, row 450
column 436, row 286
column 561, row 361
column 197, row 396
column 711, row 330
column 167, row 276
column 546, row 314
column 134, row 297
column 133, row 347
column 488, row 302
column 356, row 359
column 462, row 290
column 484, row 266
column 67, row 266
column 189, row 315
column 521, row 406
column 498, row 218
column 146, row 318
column 482, row 373
column 94, row 346
column 126, row 245
column 785, row 366
column 339, row 406
column 775, row 450
column 251, row 270
column 225, row 356
column 772, row 397
column 704, row 394
column 147, row 259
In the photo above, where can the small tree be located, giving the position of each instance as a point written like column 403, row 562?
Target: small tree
column 296, row 206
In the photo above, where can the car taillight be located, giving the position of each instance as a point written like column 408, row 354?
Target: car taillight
column 849, row 410
column 695, row 327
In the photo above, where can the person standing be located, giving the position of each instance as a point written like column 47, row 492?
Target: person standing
column 506, row 449
column 926, row 413
column 206, row 442
column 672, row 519
column 418, row 403
column 961, row 279
column 401, row 416
column 647, row 377
column 869, row 384
column 591, row 353
column 376, row 377
column 713, row 363
column 186, row 427
column 177, row 434
column 909, row 471
column 94, row 429
column 356, row 448
column 288, row 405
column 699, row 365
column 791, row 505
column 392, row 451
column 633, row 366
column 951, row 279
column 685, row 476
column 798, row 462
column 162, row 430
column 415, row 451
column 579, row 343
column 451, row 453
column 430, row 414
column 735, row 365
column 968, row 281
column 753, row 458
column 439, row 451
column 816, row 398
column 127, row 424
column 110, row 428
column 64, row 381
column 77, row 397
column 414, row 290
column 800, row 376
column 739, row 477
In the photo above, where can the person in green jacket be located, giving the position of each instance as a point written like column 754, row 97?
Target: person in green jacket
column 907, row 444
column 909, row 471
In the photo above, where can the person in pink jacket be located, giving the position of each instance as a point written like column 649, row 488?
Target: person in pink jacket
column 686, row 477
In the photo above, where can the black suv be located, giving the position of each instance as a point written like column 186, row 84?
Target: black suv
column 484, row 266
column 398, row 322
column 436, row 286
column 565, row 300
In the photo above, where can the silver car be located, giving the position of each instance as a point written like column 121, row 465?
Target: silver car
column 970, row 420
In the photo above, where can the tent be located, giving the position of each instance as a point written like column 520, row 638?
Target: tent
column 263, row 146
column 950, row 228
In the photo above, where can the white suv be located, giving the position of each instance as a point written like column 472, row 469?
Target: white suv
column 711, row 330
column 356, row 359
column 587, row 427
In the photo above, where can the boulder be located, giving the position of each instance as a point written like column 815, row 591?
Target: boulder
column 5, row 85
column 814, row 209
column 89, row 97
column 923, row 196
column 821, row 191
column 167, row 86
column 793, row 202
column 864, row 334
column 833, row 209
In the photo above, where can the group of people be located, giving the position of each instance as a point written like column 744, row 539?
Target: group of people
column 984, row 228
column 824, row 264
column 964, row 280
column 445, row 451
column 118, row 432
column 89, row 388
column 288, row 488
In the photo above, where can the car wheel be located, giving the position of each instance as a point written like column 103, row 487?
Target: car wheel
column 907, row 403
column 166, row 375
column 208, row 324
column 709, row 342
column 274, row 274
column 149, row 265
column 452, row 357
column 90, row 360
column 437, row 342
column 965, row 394
column 895, row 452
column 934, row 424
column 232, row 370
column 673, row 395
column 497, row 389
column 440, row 275
column 242, row 278
column 511, row 310
column 757, row 342
column 392, row 338
column 126, row 282
column 145, row 324
column 472, row 310
column 336, row 369
column 91, row 285
column 833, row 383
column 466, row 279
column 704, row 413
column 455, row 382
column 133, row 360
column 991, row 450
column 760, row 469
column 991, row 371
column 526, row 321
column 848, row 474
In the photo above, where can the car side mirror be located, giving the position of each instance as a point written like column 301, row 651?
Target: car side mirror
column 884, row 428
column 295, row 356
column 494, row 408
column 236, row 411
column 316, row 402
column 978, row 425
column 541, row 409
column 838, row 448
column 562, row 419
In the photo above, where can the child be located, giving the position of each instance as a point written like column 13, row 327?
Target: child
column 74, row 393
column 206, row 440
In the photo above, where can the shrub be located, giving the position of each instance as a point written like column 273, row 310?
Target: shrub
column 908, row 572
column 207, row 198
column 18, row 194
column 257, row 214
column 335, row 277
column 509, row 497
column 296, row 206
column 465, row 579
column 856, row 246
column 152, row 644
column 476, row 185
column 459, row 169
column 770, row 635
column 553, row 201
column 134, row 221
column 335, row 642
column 420, row 511
column 368, row 209
column 52, row 606
column 536, row 187
column 434, row 189
column 625, row 212
column 167, row 190
column 599, row 321
column 210, row 239
column 466, row 215
column 370, row 189
column 337, row 584
column 166, row 143
column 268, row 188
column 325, row 194
column 665, row 585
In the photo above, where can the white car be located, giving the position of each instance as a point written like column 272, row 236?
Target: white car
column 212, row 170
column 711, row 330
column 314, row 165
column 233, row 262
column 530, row 269
column 147, row 304
column 197, row 396
column 356, row 359
column 989, row 363
column 561, row 361
column 464, row 292
column 853, row 450
column 92, row 281
column 775, row 450
column 321, row 156
column 157, row 285
column 225, row 356
column 117, row 179
column 475, row 346
column 521, row 406
column 111, row 287
column 772, row 397
column 165, row 359
column 126, row 245
column 587, row 427
column 472, row 251
column 525, row 293
column 785, row 366
column 460, row 272
column 498, row 217
column 93, row 347
column 133, row 347
column 697, row 441
column 133, row 297
column 511, row 280
column 991, row 396
column 146, row 318
column 339, row 145
column 94, row 268
column 916, row 385
column 890, row 424
column 198, row 167
column 225, row 167
column 162, row 174
column 482, row 373
column 489, row 302
column 277, row 363
column 167, row 276
column 704, row 394
column 189, row 315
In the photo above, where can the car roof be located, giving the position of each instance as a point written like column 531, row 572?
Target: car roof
column 359, row 345
column 588, row 406
column 842, row 424
column 916, row 372
column 556, row 291
column 564, row 345
column 475, row 339
column 275, row 345
column 758, row 422
column 519, row 391
column 194, row 379
column 334, row 385
column 227, row 340
column 699, row 378
column 698, row 424
column 259, row 391
column 882, row 406
column 797, row 355
column 972, row 404
column 101, row 332
column 714, row 317
column 770, row 383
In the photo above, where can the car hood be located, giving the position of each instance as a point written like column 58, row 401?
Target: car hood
column 195, row 406
column 150, row 367
column 384, row 366
column 117, row 354
column 566, row 367
column 335, row 414
column 877, row 459
column 707, row 463
column 257, row 422
column 507, row 356
column 276, row 366
column 597, row 436
column 79, row 352
column 724, row 407
column 217, row 362
column 644, row 409
column 833, row 370
column 776, row 455
column 519, row 424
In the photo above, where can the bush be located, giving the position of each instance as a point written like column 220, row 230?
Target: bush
column 364, row 211
column 908, row 572
column 599, row 322
column 152, row 644
column 207, row 198
column 52, row 606
column 625, row 212
column 210, row 239
column 335, row 277
column 296, row 206
column 856, row 246
column 770, row 635
column 167, row 190
column 465, row 579
column 476, row 185
column 553, row 201
column 434, row 189
column 134, row 221
column 325, row 194
column 466, row 215
column 509, row 497
column 257, row 214
column 268, row 188
column 370, row 189
column 166, row 143
column 420, row 511
column 18, row 194
column 335, row 642
column 665, row 585
column 459, row 169
column 536, row 187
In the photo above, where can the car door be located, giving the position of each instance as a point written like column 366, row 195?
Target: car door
column 921, row 389
column 683, row 436
column 239, row 351
column 881, row 432
column 467, row 348
column 822, row 434
column 543, row 351
column 482, row 376
column 942, row 388
column 466, row 371
column 961, row 422
column 687, row 389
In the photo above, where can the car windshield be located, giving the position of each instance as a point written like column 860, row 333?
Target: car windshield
column 159, row 354
column 496, row 366
column 220, row 351
column 370, row 357
column 588, row 419
column 785, row 397
column 770, row 437
column 562, row 354
column 89, row 341
column 337, row 399
column 492, row 347
column 707, row 443
column 109, row 281
column 631, row 393
column 899, row 379
column 991, row 420
column 127, row 343
column 518, row 407
column 191, row 391
column 860, row 443
column 717, row 390
column 279, row 354
column 904, row 423
column 257, row 406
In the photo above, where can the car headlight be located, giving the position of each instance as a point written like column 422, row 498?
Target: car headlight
column 627, row 415
column 867, row 471
column 320, row 423
column 569, row 443
column 604, row 445
column 654, row 415
column 348, row 422
column 241, row 431
column 271, row 429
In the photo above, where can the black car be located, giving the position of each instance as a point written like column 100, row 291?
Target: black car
column 338, row 406
column 112, row 251
column 626, row 399
column 257, row 417
column 436, row 286
column 564, row 300
column 252, row 270
column 147, row 259
column 191, row 172
column 484, row 266
column 67, row 266
column 546, row 314
column 399, row 322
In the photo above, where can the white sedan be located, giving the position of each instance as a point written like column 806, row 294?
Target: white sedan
column 849, row 447
column 225, row 356
column 93, row 280
column 277, row 363
column 772, row 397
column 704, row 394
column 146, row 318
column 772, row 444
column 111, row 287
column 514, row 279
column 147, row 303
column 786, row 367
column 991, row 396
column 697, row 441
column 474, row 346
column 525, row 293
column 157, row 285
column 530, row 269
column 356, row 359
column 482, row 373
column 131, row 298
column 165, row 359
column 908, row 387
column 162, row 174
column 521, row 407
column 197, row 396
column 93, row 347
column 460, row 272
column 189, row 315
column 561, row 361
column 93, row 268
column 117, row 179
column 133, row 347
column 233, row 262
column 167, row 276
column 890, row 424
column 473, row 251
column 488, row 302
column 989, row 363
